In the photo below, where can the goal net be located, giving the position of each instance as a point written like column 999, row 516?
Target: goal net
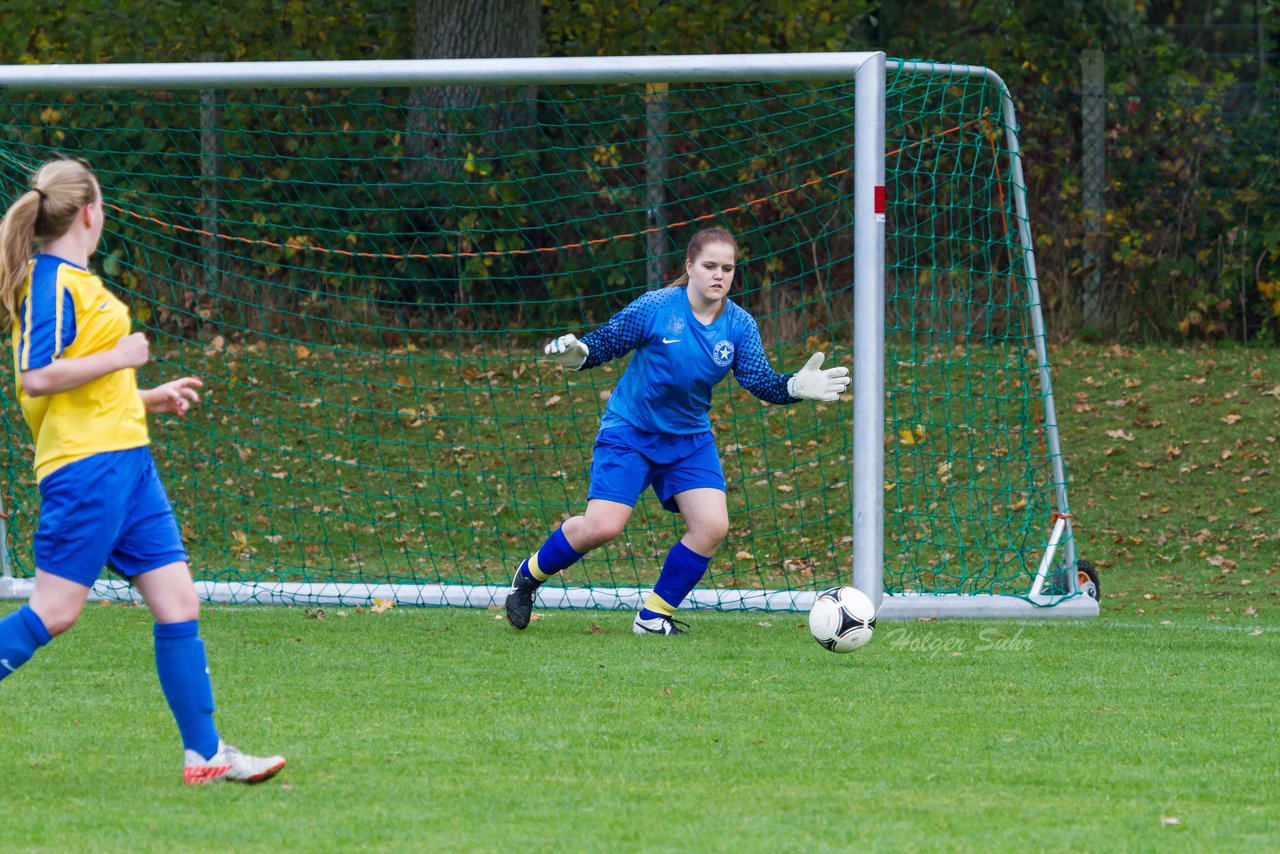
column 363, row 272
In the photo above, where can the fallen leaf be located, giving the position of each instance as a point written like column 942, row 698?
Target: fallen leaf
column 380, row 605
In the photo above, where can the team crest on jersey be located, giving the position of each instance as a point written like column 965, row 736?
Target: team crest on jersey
column 723, row 354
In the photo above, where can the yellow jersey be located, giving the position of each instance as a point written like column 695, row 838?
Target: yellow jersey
column 67, row 312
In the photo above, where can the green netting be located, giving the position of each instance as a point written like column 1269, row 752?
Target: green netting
column 363, row 279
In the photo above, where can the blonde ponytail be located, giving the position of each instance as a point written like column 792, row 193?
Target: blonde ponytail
column 17, row 233
column 59, row 191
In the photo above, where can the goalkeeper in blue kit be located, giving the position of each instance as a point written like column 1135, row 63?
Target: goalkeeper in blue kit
column 655, row 431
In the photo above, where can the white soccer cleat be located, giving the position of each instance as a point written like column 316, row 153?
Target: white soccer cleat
column 658, row 625
column 229, row 765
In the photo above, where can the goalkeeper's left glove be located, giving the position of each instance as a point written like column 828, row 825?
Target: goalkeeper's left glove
column 813, row 383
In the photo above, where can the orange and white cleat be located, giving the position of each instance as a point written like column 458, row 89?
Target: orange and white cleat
column 229, row 765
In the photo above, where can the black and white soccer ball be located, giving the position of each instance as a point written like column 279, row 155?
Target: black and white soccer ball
column 842, row 619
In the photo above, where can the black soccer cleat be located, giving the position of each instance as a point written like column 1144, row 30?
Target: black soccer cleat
column 520, row 598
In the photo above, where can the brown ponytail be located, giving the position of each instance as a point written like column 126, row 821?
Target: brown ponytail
column 59, row 191
column 700, row 239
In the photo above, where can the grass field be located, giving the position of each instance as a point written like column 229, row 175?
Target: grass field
column 1152, row 727
column 446, row 731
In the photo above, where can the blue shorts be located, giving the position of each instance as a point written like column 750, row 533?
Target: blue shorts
column 109, row 510
column 626, row 461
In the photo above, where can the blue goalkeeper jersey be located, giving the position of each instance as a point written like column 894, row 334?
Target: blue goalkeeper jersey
column 678, row 361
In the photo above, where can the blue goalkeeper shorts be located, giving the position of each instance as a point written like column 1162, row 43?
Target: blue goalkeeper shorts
column 111, row 510
column 627, row 461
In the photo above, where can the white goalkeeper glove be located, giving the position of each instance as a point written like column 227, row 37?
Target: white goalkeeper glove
column 568, row 351
column 813, row 383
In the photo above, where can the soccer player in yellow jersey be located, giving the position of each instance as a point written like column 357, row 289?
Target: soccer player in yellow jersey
column 101, row 500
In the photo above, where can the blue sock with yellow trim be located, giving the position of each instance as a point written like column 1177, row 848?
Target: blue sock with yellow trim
column 554, row 556
column 681, row 572
column 21, row 634
column 184, row 678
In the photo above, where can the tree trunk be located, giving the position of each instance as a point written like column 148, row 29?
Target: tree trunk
column 438, row 115
column 447, row 29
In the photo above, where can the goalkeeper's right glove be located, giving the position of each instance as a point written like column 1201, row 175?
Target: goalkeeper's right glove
column 568, row 351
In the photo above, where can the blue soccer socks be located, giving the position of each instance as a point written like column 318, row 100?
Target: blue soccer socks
column 21, row 634
column 555, row 555
column 681, row 572
column 184, row 678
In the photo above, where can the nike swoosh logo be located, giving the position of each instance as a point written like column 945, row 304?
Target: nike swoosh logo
column 670, row 340
column 104, row 306
column 6, row 664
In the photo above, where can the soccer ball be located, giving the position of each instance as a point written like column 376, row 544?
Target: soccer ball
column 842, row 619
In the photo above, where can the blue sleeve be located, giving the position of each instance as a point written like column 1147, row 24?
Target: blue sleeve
column 44, row 331
column 752, row 370
column 623, row 333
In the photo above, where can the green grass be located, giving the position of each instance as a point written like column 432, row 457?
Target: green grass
column 1174, row 456
column 444, row 730
column 436, row 729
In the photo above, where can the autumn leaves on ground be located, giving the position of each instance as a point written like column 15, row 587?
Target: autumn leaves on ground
column 1174, row 456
